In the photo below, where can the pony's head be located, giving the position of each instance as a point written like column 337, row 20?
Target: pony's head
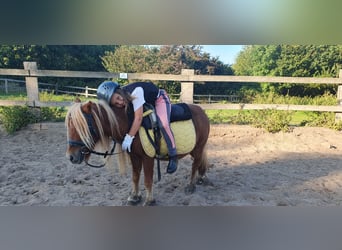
column 88, row 124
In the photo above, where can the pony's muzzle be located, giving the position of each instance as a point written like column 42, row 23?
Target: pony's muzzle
column 76, row 158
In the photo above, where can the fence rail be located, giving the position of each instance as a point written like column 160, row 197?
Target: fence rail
column 169, row 77
column 9, row 86
column 187, row 79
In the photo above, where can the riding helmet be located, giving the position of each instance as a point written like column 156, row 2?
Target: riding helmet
column 106, row 90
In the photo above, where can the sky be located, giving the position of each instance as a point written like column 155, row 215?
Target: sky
column 226, row 53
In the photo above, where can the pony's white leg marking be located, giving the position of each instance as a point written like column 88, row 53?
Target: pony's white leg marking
column 135, row 197
column 149, row 201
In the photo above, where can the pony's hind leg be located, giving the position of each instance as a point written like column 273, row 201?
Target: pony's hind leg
column 202, row 169
column 199, row 168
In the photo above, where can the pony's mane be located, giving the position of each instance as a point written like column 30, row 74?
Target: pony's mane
column 99, row 113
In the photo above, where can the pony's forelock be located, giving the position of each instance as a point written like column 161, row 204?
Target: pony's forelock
column 80, row 123
column 75, row 114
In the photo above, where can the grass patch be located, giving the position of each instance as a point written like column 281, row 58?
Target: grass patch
column 14, row 97
column 274, row 120
column 297, row 118
column 13, row 118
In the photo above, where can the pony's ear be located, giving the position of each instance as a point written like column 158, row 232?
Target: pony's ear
column 77, row 99
column 86, row 108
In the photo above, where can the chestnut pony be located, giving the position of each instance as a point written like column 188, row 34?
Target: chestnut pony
column 92, row 123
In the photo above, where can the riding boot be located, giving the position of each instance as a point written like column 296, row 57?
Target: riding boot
column 172, row 166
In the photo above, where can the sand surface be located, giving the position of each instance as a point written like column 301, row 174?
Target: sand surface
column 248, row 167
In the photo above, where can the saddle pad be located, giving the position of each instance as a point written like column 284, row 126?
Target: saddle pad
column 185, row 138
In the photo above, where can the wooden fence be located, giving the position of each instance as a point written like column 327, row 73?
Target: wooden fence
column 13, row 86
column 187, row 79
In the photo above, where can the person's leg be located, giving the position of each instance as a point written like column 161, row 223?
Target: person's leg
column 163, row 110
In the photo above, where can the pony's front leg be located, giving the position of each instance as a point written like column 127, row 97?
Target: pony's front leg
column 148, row 164
column 135, row 196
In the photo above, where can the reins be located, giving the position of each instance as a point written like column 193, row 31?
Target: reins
column 85, row 151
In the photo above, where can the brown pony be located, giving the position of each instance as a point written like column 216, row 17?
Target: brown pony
column 93, row 123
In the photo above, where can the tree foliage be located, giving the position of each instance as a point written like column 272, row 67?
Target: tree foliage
column 126, row 59
column 167, row 59
column 60, row 57
column 258, row 60
column 291, row 60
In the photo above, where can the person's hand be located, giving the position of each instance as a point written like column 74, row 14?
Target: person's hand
column 127, row 142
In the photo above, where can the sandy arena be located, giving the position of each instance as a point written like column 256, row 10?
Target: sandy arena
column 248, row 167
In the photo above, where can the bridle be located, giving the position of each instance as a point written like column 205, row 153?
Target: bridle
column 85, row 150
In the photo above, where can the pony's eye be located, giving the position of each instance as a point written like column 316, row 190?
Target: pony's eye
column 85, row 150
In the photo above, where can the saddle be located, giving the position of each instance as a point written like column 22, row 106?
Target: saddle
column 182, row 127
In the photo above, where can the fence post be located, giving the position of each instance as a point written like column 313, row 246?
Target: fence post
column 31, row 83
column 6, row 86
column 187, row 88
column 56, row 88
column 86, row 91
column 338, row 116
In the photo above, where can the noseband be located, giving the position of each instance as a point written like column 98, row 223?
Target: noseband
column 85, row 150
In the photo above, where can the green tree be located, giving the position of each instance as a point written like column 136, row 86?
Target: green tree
column 291, row 60
column 59, row 57
column 257, row 60
column 166, row 59
column 130, row 59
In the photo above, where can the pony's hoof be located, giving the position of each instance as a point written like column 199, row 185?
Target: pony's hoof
column 204, row 180
column 134, row 200
column 190, row 189
column 150, row 203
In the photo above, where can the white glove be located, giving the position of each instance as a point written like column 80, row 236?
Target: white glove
column 127, row 142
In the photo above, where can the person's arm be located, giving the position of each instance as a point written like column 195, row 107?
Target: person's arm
column 137, row 102
column 138, row 115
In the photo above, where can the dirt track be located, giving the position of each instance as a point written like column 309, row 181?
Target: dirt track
column 247, row 167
